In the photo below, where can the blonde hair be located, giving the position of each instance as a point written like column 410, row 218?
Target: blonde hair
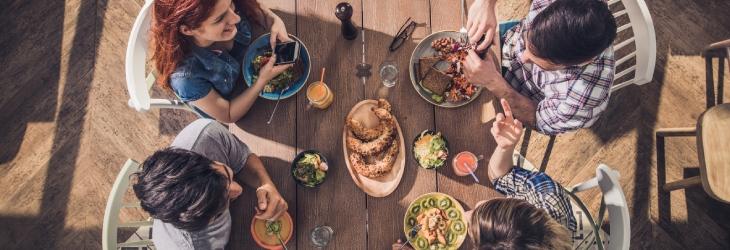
column 515, row 224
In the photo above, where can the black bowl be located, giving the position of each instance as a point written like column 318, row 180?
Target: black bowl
column 413, row 147
column 294, row 166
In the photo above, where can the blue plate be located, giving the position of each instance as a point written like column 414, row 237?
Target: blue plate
column 258, row 47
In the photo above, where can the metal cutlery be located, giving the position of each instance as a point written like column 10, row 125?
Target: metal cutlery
column 277, row 103
column 413, row 233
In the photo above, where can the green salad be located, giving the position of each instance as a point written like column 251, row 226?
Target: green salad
column 310, row 170
column 430, row 150
column 273, row 227
column 279, row 82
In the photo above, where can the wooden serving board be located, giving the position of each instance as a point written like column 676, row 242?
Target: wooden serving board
column 384, row 185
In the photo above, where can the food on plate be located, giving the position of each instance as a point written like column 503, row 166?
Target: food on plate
column 310, row 169
column 426, row 64
column 265, row 232
column 373, row 151
column 430, row 149
column 434, row 224
column 377, row 145
column 440, row 220
column 453, row 82
column 436, row 82
column 280, row 81
column 369, row 134
column 377, row 168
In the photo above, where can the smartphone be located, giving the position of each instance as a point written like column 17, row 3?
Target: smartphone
column 286, row 53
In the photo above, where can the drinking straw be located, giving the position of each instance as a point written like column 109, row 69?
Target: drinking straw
column 470, row 172
column 321, row 77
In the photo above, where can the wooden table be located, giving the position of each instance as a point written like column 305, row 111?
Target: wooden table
column 359, row 221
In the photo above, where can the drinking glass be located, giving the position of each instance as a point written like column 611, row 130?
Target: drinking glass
column 389, row 73
column 321, row 236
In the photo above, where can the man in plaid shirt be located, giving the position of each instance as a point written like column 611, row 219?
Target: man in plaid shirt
column 558, row 62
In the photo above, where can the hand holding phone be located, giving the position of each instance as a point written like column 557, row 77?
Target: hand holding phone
column 286, row 52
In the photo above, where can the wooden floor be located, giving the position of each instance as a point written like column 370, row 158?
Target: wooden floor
column 66, row 128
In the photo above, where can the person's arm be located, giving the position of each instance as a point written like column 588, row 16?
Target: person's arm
column 231, row 111
column 278, row 28
column 270, row 203
column 484, row 73
column 507, row 132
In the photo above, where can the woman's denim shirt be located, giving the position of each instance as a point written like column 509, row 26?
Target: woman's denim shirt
column 204, row 69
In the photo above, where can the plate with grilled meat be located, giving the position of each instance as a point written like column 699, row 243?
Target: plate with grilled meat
column 436, row 70
column 374, row 148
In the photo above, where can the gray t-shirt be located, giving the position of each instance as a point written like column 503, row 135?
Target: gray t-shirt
column 210, row 139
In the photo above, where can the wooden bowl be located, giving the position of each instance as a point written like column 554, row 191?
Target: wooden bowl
column 384, row 185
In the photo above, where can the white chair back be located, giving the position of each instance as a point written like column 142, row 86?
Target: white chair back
column 114, row 205
column 644, row 39
column 138, row 82
column 614, row 199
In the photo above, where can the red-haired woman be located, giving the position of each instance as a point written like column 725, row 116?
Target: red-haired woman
column 197, row 48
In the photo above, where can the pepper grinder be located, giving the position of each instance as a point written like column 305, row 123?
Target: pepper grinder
column 344, row 13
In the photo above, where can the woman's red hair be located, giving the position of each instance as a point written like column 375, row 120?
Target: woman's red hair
column 168, row 45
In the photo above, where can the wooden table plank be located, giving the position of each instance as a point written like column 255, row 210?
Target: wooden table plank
column 338, row 202
column 274, row 143
column 466, row 128
column 382, row 20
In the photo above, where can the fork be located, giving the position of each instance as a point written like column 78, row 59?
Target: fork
column 413, row 233
column 277, row 104
column 463, row 31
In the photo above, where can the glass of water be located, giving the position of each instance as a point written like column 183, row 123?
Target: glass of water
column 321, row 236
column 389, row 73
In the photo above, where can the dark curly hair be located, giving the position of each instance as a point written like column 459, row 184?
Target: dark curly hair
column 506, row 224
column 571, row 32
column 180, row 187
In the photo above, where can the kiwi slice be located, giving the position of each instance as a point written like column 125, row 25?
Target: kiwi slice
column 453, row 213
column 415, row 209
column 445, row 203
column 458, row 227
column 421, row 243
column 412, row 222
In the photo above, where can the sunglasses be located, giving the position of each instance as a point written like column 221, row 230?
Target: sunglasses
column 404, row 33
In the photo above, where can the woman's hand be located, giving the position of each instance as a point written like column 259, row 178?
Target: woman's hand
column 481, row 21
column 269, row 71
column 270, row 203
column 506, row 129
column 278, row 31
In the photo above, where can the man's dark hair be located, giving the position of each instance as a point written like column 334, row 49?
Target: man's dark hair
column 180, row 187
column 571, row 32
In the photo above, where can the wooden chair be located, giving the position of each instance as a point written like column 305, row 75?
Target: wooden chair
column 721, row 51
column 114, row 205
column 613, row 202
column 713, row 149
column 139, row 82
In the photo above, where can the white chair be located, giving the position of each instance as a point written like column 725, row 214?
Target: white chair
column 614, row 201
column 138, row 82
column 114, row 205
column 644, row 38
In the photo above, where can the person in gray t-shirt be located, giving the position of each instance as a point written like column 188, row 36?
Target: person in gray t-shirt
column 187, row 187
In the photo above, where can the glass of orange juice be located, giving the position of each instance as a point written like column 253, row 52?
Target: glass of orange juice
column 463, row 162
column 319, row 95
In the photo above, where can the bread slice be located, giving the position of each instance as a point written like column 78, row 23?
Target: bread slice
column 424, row 64
column 436, row 82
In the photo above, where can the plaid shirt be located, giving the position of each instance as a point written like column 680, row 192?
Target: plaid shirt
column 568, row 99
column 539, row 190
